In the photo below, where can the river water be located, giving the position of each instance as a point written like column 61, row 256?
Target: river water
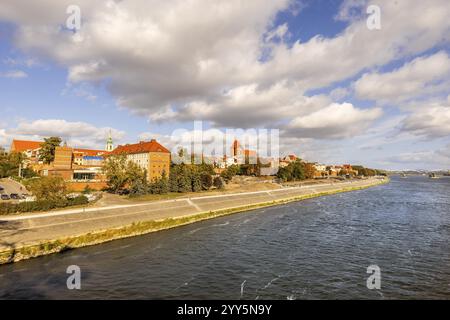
column 315, row 249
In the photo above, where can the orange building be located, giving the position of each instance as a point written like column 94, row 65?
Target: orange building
column 29, row 148
column 150, row 156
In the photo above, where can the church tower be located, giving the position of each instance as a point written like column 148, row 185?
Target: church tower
column 109, row 143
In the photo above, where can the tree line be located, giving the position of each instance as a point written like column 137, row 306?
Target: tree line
column 122, row 174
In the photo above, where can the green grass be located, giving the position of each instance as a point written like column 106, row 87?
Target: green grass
column 139, row 228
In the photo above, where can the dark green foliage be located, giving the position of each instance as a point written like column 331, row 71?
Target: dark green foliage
column 230, row 172
column 41, row 205
column 160, row 186
column 206, row 180
column 219, row 183
column 9, row 164
column 47, row 152
column 190, row 178
column 294, row 171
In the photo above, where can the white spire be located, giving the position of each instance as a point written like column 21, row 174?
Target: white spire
column 109, row 143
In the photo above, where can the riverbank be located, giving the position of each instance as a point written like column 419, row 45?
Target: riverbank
column 33, row 236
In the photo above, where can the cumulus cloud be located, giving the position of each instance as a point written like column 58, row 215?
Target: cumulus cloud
column 335, row 121
column 170, row 60
column 79, row 134
column 429, row 122
column 251, row 106
column 429, row 74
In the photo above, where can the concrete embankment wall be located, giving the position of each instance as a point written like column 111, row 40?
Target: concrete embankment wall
column 24, row 237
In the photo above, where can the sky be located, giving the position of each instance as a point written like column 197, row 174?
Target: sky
column 337, row 90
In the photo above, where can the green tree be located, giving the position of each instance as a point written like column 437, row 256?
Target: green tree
column 218, row 183
column 196, row 182
column 115, row 169
column 206, row 180
column 47, row 152
column 230, row 172
column 293, row 171
column 121, row 173
column 48, row 188
column 9, row 164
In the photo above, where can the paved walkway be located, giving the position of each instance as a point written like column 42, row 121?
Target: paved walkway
column 32, row 228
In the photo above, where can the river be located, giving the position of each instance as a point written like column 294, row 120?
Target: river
column 314, row 249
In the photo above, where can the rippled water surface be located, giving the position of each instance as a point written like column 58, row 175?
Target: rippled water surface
column 315, row 249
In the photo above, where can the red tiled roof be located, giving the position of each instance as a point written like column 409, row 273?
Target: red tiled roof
column 89, row 152
column 24, row 145
column 141, row 147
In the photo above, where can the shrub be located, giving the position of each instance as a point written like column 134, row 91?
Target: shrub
column 218, row 183
column 41, row 205
column 206, row 180
column 47, row 188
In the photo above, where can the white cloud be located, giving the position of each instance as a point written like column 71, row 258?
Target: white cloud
column 166, row 59
column 79, row 134
column 437, row 159
column 429, row 122
column 252, row 106
column 423, row 75
column 14, row 74
column 335, row 121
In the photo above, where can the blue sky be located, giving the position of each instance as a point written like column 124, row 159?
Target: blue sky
column 337, row 91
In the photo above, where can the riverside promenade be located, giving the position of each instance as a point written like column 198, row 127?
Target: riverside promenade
column 43, row 229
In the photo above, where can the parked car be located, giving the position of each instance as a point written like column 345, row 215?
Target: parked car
column 5, row 197
column 24, row 195
column 14, row 196
column 1, row 188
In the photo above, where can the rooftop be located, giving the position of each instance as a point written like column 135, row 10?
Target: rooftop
column 24, row 145
column 141, row 147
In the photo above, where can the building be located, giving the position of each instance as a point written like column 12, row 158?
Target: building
column 150, row 156
column 348, row 170
column 29, row 148
column 84, row 157
column 239, row 155
column 285, row 161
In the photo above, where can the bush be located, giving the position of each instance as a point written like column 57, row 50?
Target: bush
column 41, row 205
column 47, row 188
column 230, row 172
column 218, row 183
column 206, row 180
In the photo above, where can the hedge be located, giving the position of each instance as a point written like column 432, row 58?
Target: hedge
column 41, row 205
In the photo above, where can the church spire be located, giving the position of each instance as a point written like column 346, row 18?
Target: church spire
column 109, row 143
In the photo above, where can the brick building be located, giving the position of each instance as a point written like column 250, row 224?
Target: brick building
column 149, row 155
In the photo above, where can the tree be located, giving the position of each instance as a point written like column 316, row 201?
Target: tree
column 47, row 152
column 206, row 180
column 9, row 164
column 218, row 183
column 120, row 172
column 115, row 170
column 48, row 188
column 309, row 171
column 293, row 171
column 230, row 172
column 196, row 182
